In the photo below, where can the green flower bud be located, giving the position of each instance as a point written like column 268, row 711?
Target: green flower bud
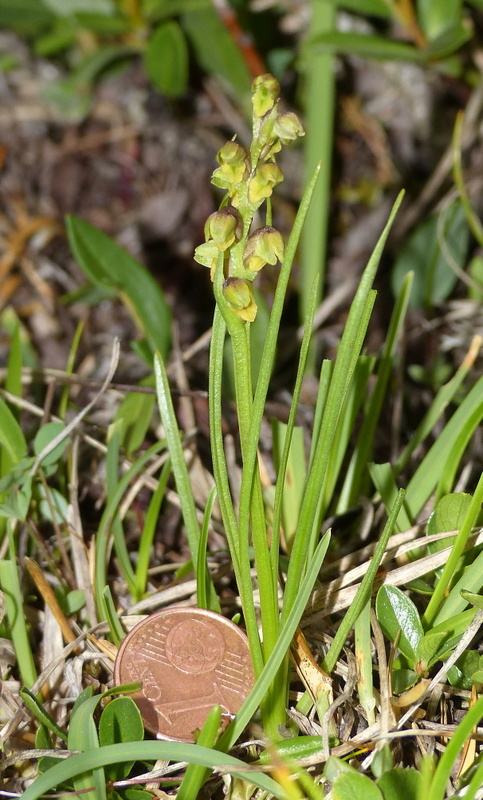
column 288, row 127
column 224, row 227
column 239, row 296
column 265, row 91
column 264, row 246
column 261, row 185
column 233, row 162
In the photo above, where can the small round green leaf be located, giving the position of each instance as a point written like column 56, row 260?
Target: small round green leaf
column 44, row 436
column 396, row 612
column 120, row 722
column 354, row 786
column 400, row 784
column 52, row 504
column 448, row 515
column 430, row 646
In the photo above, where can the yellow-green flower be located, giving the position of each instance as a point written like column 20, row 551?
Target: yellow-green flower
column 284, row 130
column 288, row 127
column 207, row 255
column 265, row 90
column 264, row 246
column 261, row 185
column 224, row 227
column 233, row 168
column 240, row 297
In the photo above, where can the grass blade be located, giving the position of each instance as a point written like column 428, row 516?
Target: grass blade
column 149, row 750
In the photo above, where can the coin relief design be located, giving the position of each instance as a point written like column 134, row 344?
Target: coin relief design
column 187, row 660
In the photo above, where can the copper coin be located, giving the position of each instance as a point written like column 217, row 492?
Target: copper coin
column 187, row 660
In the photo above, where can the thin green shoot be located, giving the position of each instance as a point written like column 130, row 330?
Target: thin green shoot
column 112, row 480
column 347, row 355
column 146, row 751
column 318, row 92
column 364, row 591
column 357, row 470
column 444, row 396
column 69, row 368
column 282, row 470
column 13, row 598
column 457, row 550
column 473, row 221
column 196, row 774
column 147, row 535
column 115, row 628
column 104, row 529
column 453, row 749
column 202, row 572
column 180, row 470
column 286, row 635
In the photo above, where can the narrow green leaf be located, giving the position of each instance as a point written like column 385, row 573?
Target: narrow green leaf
column 216, row 50
column 149, row 751
column 10, row 585
column 202, row 572
column 112, row 481
column 13, row 381
column 471, row 581
column 444, row 396
column 366, row 46
column 166, row 59
column 364, row 591
column 295, row 471
column 36, row 708
column 476, row 600
column 434, row 276
column 109, row 265
column 436, row 462
column 453, row 749
column 299, row 465
column 59, row 7
column 195, row 774
column 348, row 352
column 115, row 627
column 149, row 529
column 357, row 471
column 373, row 8
column 113, row 25
column 440, row 606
